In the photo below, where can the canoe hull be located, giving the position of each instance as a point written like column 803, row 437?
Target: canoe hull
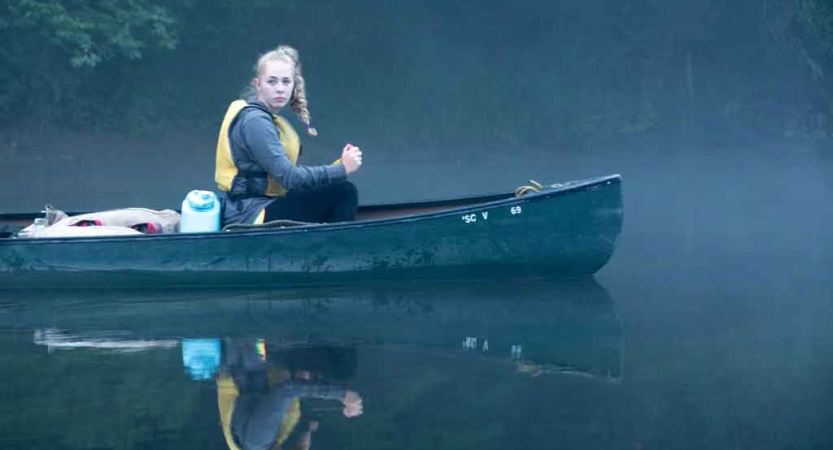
column 569, row 231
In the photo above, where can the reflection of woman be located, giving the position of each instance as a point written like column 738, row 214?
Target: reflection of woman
column 260, row 403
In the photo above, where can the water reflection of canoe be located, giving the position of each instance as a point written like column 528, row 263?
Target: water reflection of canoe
column 543, row 326
column 570, row 229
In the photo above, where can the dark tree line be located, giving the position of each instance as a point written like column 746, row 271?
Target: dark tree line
column 624, row 66
column 65, row 60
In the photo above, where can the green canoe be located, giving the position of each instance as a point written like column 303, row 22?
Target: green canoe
column 568, row 229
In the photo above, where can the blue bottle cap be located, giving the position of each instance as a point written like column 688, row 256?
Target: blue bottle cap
column 201, row 200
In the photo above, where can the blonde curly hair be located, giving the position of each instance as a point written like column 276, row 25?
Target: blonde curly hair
column 298, row 102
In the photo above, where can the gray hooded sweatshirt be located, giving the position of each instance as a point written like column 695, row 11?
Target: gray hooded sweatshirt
column 256, row 148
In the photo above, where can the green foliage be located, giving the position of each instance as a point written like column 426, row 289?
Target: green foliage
column 97, row 64
column 94, row 31
column 578, row 70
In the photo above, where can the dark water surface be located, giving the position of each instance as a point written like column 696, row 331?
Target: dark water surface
column 710, row 328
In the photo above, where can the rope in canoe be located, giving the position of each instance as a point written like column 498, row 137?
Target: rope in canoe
column 534, row 186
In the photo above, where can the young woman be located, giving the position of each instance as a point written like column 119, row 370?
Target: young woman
column 257, row 153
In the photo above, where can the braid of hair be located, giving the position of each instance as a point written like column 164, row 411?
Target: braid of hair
column 298, row 103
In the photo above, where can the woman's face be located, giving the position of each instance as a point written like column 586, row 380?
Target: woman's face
column 275, row 83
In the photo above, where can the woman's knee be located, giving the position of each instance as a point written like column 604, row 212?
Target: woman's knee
column 344, row 191
column 346, row 202
column 349, row 190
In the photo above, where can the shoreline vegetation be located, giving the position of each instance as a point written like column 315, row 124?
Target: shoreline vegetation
column 563, row 72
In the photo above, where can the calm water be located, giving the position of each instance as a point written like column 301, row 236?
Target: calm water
column 710, row 328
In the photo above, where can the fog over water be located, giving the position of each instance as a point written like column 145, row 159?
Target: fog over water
column 720, row 284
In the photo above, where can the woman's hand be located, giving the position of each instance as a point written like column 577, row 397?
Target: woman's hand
column 351, row 157
column 352, row 404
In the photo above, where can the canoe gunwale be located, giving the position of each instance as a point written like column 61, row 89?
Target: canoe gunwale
column 459, row 205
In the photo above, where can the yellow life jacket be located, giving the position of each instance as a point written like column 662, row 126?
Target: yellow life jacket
column 227, row 393
column 226, row 170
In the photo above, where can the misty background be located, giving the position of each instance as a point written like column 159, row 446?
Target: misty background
column 715, row 112
column 113, row 103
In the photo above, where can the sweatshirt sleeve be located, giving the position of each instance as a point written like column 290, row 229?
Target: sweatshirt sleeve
column 261, row 139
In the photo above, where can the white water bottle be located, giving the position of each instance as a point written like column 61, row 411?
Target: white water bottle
column 200, row 212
